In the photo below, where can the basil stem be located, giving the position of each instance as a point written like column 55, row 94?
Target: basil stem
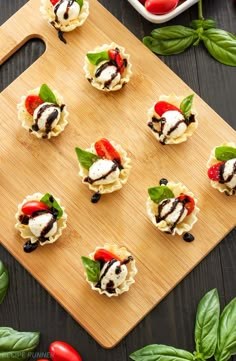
column 4, row 281
column 207, row 320
column 161, row 353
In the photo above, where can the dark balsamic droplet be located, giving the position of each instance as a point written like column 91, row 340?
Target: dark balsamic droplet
column 30, row 247
column 188, row 237
column 163, row 181
column 95, row 197
column 60, row 36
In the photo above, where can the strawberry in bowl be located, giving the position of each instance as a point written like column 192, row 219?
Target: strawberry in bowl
column 104, row 166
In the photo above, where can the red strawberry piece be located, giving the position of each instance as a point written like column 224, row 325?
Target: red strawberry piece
column 54, row 2
column 106, row 150
column 103, row 255
column 32, row 102
column 114, row 54
column 188, row 202
column 214, row 171
column 161, row 107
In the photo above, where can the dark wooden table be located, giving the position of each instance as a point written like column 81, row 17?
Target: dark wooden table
column 29, row 307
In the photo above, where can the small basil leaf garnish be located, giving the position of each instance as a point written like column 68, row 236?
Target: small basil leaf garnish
column 158, row 194
column 80, row 2
column 47, row 95
column 186, row 105
column 52, row 203
column 92, row 269
column 4, row 281
column 225, row 153
column 96, row 58
column 85, row 158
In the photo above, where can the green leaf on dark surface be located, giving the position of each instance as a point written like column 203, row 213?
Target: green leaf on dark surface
column 92, row 269
column 47, row 95
column 80, row 2
column 96, row 58
column 206, row 326
column 204, row 24
column 226, row 345
column 52, row 203
column 225, row 153
column 161, row 353
column 85, row 158
column 16, row 345
column 158, row 194
column 170, row 39
column 221, row 45
column 186, row 105
column 4, row 281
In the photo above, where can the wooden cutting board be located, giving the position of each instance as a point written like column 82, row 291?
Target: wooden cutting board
column 29, row 165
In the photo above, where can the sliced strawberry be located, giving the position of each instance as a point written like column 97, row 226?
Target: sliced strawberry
column 114, row 54
column 54, row 2
column 188, row 202
column 105, row 256
column 214, row 171
column 161, row 107
column 106, row 150
column 32, row 102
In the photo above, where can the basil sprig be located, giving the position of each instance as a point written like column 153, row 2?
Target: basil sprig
column 158, row 194
column 4, row 281
column 96, row 58
column 92, row 269
column 225, row 153
column 215, row 335
column 15, row 345
column 80, row 2
column 186, row 105
column 176, row 39
column 50, row 201
column 47, row 95
column 85, row 158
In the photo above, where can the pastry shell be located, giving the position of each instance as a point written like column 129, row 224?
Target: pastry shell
column 90, row 69
column 26, row 233
column 119, row 182
column 122, row 253
column 182, row 227
column 47, row 12
column 27, row 119
column 211, row 161
column 175, row 100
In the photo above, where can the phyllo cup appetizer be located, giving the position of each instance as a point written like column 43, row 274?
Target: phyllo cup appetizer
column 222, row 168
column 172, row 119
column 110, row 270
column 108, row 67
column 40, row 219
column 172, row 208
column 104, row 167
column 65, row 15
column 42, row 112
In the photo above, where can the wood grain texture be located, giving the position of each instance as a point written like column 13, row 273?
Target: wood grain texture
column 169, row 314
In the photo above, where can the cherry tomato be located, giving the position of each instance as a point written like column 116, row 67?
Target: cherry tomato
column 160, row 7
column 142, row 1
column 62, row 351
column 30, row 207
column 106, row 150
column 32, row 102
column 188, row 202
column 114, row 54
column 161, row 107
column 105, row 256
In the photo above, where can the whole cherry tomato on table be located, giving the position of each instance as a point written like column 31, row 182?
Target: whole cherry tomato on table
column 62, row 351
column 160, row 7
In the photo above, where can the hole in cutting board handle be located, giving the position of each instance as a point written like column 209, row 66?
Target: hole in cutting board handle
column 18, row 62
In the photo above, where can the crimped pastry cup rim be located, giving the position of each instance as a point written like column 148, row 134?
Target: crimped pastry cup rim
column 175, row 100
column 182, row 227
column 24, row 229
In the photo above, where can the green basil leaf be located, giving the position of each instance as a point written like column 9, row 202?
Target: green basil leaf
column 52, row 203
column 225, row 153
column 161, row 353
column 80, row 2
column 158, row 194
column 85, row 158
column 15, row 345
column 92, row 269
column 221, row 45
column 186, row 105
column 4, row 281
column 226, row 345
column 205, row 24
column 96, row 58
column 170, row 39
column 47, row 95
column 206, row 326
